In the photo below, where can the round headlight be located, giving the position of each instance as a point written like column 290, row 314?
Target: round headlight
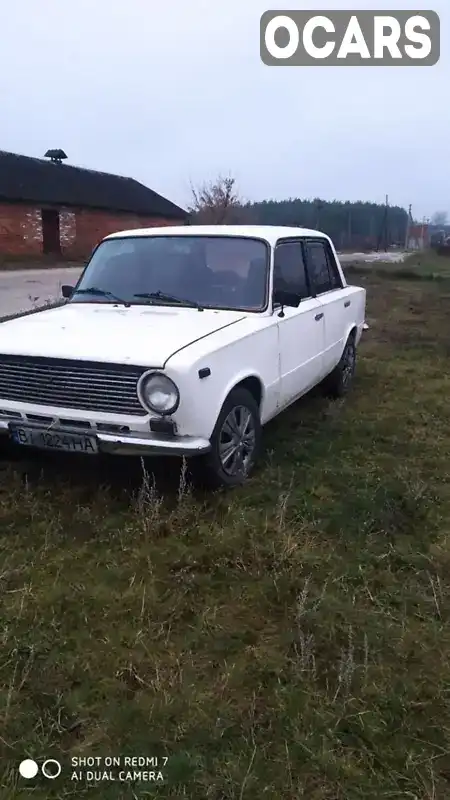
column 158, row 393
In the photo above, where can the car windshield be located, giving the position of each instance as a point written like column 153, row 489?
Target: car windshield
column 229, row 272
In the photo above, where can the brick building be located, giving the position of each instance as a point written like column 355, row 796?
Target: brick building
column 49, row 207
column 418, row 237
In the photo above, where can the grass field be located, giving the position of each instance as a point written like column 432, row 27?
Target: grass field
column 426, row 265
column 290, row 639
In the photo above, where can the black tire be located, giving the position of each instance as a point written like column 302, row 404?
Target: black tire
column 339, row 382
column 6, row 446
column 8, row 452
column 212, row 470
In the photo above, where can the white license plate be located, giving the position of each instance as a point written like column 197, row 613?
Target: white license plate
column 51, row 440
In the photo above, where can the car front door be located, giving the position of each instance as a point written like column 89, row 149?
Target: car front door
column 326, row 285
column 301, row 330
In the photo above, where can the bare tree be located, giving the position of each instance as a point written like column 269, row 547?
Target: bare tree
column 217, row 203
column 440, row 218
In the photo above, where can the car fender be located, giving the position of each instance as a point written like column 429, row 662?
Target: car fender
column 255, row 356
column 235, row 381
column 352, row 328
column 216, row 399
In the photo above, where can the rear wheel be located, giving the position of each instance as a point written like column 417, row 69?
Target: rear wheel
column 338, row 383
column 235, row 443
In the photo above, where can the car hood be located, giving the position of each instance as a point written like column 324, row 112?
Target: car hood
column 145, row 336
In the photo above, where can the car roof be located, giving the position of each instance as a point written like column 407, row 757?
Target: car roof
column 270, row 233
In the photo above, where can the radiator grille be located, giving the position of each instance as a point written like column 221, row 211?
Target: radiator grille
column 88, row 386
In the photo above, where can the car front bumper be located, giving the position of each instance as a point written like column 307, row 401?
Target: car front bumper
column 129, row 444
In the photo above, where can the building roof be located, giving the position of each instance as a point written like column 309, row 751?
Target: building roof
column 270, row 233
column 35, row 180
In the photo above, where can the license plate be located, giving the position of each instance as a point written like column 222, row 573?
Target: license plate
column 50, row 440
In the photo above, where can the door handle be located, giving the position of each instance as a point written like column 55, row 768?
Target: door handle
column 318, row 317
column 347, row 303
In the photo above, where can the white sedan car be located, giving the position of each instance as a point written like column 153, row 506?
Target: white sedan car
column 182, row 341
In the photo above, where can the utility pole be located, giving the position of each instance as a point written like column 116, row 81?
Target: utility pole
column 386, row 228
column 319, row 208
column 424, row 222
column 383, row 231
column 408, row 225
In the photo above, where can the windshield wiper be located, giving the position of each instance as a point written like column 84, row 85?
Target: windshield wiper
column 103, row 293
column 168, row 298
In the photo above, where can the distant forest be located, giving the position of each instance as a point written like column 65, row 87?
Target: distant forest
column 350, row 225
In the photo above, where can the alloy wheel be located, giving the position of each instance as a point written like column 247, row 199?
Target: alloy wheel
column 237, row 441
column 348, row 366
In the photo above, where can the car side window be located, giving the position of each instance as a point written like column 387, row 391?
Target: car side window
column 289, row 272
column 322, row 267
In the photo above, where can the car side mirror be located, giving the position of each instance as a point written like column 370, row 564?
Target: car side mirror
column 67, row 291
column 290, row 299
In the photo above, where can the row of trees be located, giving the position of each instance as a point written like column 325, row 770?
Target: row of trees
column 350, row 225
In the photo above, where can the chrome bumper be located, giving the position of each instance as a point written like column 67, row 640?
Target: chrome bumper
column 131, row 444
column 128, row 444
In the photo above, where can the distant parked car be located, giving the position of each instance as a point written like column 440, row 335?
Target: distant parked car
column 183, row 341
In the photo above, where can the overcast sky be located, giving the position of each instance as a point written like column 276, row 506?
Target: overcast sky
column 175, row 92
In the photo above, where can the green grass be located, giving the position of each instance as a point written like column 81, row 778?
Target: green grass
column 289, row 640
column 424, row 265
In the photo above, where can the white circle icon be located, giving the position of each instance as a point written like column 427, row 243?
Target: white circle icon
column 28, row 768
column 55, row 770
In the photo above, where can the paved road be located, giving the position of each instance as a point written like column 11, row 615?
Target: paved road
column 394, row 257
column 21, row 290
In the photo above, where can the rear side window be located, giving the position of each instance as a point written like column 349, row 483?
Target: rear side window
column 289, row 272
column 322, row 267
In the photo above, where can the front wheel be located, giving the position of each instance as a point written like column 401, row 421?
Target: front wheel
column 235, row 443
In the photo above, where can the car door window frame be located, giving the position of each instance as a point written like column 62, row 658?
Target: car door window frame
column 333, row 271
column 299, row 241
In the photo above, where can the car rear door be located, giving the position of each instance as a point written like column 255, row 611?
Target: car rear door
column 335, row 299
column 301, row 330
